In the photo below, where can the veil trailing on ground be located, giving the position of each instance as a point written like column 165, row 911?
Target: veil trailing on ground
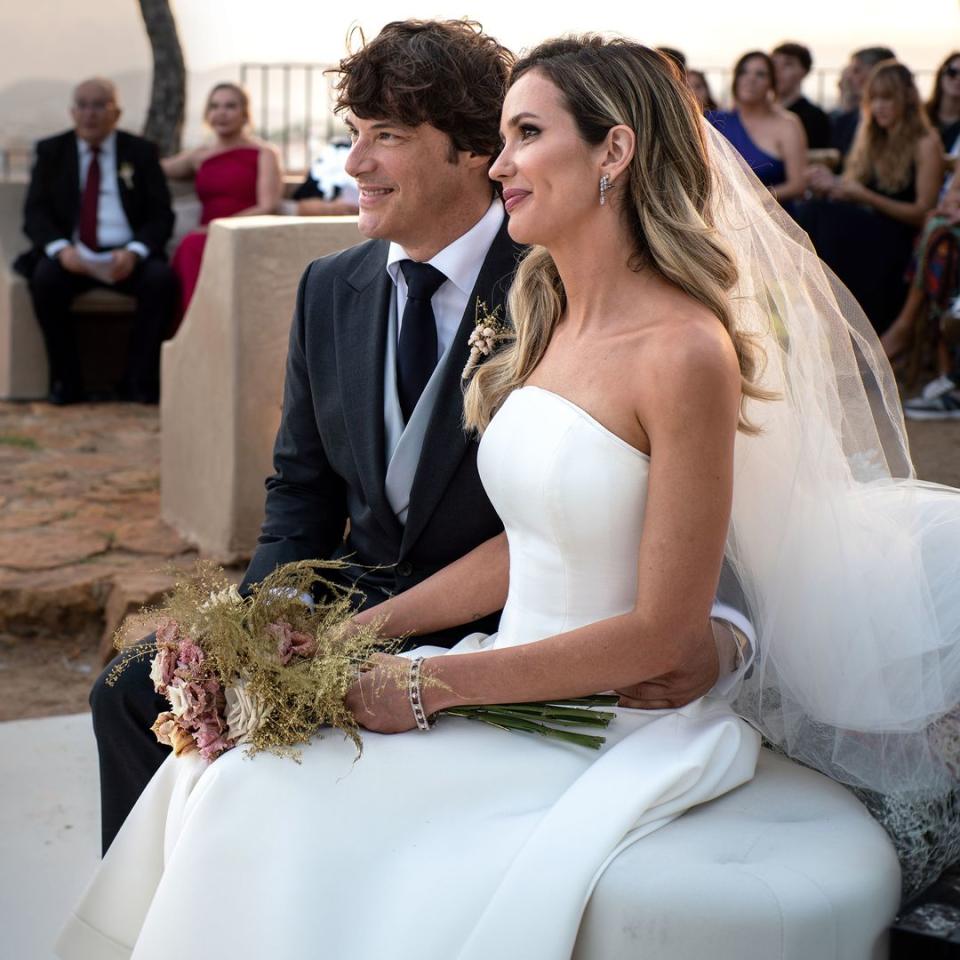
column 850, row 565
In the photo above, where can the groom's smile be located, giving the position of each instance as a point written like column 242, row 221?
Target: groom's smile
column 416, row 188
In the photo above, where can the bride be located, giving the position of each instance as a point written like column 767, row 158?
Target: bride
column 655, row 411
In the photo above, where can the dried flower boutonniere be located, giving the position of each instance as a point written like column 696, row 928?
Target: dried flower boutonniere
column 487, row 333
column 125, row 173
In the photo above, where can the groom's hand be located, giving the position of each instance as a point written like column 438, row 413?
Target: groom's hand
column 679, row 687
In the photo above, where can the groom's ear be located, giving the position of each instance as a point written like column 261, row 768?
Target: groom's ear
column 477, row 160
column 619, row 148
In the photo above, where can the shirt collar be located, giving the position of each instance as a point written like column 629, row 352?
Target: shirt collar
column 461, row 260
column 107, row 148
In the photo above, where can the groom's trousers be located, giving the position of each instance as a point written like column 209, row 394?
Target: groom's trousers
column 124, row 707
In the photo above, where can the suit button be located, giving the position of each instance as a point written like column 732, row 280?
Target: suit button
column 404, row 568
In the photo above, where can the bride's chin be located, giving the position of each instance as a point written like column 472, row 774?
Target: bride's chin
column 520, row 232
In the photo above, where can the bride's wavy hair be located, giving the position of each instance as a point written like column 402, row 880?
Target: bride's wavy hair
column 666, row 202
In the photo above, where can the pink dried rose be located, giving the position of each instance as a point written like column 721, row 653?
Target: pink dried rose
column 163, row 667
column 190, row 655
column 201, row 700
column 168, row 632
column 209, row 738
column 291, row 643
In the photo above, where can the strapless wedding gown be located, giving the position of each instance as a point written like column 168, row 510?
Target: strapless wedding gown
column 467, row 842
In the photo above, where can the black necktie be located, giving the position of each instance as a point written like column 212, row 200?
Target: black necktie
column 417, row 350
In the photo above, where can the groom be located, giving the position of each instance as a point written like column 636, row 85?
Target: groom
column 371, row 437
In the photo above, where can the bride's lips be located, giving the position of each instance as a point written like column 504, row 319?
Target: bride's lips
column 371, row 195
column 512, row 196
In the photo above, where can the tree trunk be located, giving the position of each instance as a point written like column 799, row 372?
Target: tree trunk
column 169, row 90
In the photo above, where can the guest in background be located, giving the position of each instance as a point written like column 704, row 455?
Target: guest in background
column 943, row 107
column 98, row 214
column 858, row 69
column 769, row 138
column 328, row 189
column 865, row 224
column 793, row 63
column 235, row 176
column 928, row 325
column 697, row 82
column 847, row 98
column 677, row 56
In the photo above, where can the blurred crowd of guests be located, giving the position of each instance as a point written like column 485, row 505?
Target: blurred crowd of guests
column 871, row 183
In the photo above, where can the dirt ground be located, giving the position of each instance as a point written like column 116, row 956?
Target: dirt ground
column 82, row 544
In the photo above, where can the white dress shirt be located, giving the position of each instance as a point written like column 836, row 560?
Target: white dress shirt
column 460, row 263
column 113, row 228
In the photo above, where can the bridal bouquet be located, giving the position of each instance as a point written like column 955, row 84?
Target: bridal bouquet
column 268, row 670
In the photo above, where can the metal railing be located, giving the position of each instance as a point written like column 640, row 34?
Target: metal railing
column 294, row 107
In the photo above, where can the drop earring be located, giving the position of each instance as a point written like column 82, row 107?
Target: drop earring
column 604, row 187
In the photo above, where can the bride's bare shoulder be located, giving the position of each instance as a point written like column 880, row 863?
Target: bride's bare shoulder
column 687, row 353
column 683, row 333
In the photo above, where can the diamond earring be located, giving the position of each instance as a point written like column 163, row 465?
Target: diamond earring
column 604, row 187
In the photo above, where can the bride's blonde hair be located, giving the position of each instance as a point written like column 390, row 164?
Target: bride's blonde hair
column 666, row 203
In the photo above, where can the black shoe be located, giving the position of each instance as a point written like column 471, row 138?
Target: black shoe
column 62, row 394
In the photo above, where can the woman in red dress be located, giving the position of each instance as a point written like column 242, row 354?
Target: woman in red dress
column 236, row 176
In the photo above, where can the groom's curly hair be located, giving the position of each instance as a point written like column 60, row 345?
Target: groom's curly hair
column 447, row 73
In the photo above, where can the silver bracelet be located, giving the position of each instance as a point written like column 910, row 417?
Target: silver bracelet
column 414, row 692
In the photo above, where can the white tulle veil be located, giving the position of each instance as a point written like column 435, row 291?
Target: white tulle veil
column 850, row 566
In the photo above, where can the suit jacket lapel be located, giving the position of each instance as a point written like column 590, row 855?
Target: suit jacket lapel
column 71, row 179
column 123, row 157
column 446, row 441
column 361, row 305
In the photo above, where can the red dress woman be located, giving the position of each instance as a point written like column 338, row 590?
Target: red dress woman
column 234, row 177
column 226, row 184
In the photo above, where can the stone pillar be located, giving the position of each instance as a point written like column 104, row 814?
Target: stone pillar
column 222, row 376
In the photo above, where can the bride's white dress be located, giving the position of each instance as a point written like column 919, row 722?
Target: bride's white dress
column 467, row 842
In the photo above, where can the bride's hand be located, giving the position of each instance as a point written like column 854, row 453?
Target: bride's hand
column 379, row 699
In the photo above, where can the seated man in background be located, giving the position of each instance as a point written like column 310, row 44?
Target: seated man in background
column 845, row 124
column 328, row 190
column 98, row 214
column 793, row 62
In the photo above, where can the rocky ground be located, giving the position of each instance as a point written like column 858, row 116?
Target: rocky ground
column 82, row 545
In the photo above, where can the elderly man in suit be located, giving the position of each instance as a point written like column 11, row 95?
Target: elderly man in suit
column 371, row 439
column 98, row 213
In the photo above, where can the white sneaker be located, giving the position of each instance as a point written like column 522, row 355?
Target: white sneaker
column 946, row 406
column 943, row 384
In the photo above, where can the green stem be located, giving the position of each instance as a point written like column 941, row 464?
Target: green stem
column 507, row 722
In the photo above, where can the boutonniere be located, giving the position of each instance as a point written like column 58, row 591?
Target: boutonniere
column 488, row 330
column 125, row 173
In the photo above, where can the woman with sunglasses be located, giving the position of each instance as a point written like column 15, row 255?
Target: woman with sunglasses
column 943, row 107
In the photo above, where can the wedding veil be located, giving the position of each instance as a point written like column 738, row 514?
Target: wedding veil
column 849, row 564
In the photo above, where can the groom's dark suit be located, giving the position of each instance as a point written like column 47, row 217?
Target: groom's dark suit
column 330, row 469
column 329, row 455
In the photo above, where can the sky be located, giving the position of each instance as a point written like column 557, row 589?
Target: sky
column 107, row 36
column 712, row 33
